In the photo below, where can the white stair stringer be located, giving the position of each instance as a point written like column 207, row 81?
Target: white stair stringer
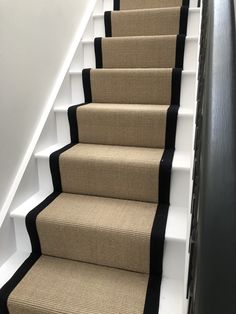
column 174, row 270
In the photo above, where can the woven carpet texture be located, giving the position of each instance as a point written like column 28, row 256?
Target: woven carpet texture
column 98, row 240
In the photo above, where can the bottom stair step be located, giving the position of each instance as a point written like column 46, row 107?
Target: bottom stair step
column 55, row 285
column 98, row 230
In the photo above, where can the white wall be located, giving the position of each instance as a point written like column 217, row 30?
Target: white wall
column 35, row 36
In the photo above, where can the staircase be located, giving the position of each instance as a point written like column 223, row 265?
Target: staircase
column 105, row 221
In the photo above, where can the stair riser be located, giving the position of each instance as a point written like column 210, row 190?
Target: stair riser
column 187, row 97
column 190, row 60
column 97, row 29
column 174, row 259
column 63, row 128
column 173, row 253
column 184, row 132
column 77, row 92
column 44, row 175
column 183, row 135
column 22, row 238
column 179, row 189
column 180, row 179
column 103, row 5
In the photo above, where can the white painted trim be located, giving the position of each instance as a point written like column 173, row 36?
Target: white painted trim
column 187, row 256
column 65, row 67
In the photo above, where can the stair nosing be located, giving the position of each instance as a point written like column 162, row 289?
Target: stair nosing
column 45, row 154
column 79, row 72
column 22, row 210
column 91, row 41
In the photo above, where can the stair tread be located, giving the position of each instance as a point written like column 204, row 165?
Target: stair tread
column 182, row 111
column 113, row 153
column 181, row 159
column 91, row 41
column 79, row 72
column 124, row 107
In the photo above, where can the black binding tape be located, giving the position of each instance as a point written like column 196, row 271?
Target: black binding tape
column 171, row 125
column 98, row 52
column 183, row 20
column 107, row 18
column 73, row 122
column 179, row 57
column 176, row 85
column 87, row 85
column 185, row 3
column 55, row 169
column 159, row 225
column 116, row 5
column 158, row 235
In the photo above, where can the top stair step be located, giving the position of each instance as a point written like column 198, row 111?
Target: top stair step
column 140, row 4
column 98, row 27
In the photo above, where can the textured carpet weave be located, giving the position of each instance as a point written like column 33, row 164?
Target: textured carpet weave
column 146, row 4
column 108, row 231
column 140, row 52
column 98, row 239
column 113, row 171
column 145, row 86
column 123, row 124
column 164, row 21
column 62, row 286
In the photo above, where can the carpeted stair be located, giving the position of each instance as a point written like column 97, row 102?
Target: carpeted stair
column 98, row 239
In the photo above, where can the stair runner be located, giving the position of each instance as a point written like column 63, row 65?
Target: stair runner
column 97, row 240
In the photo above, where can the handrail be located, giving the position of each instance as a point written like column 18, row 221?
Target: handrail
column 212, row 275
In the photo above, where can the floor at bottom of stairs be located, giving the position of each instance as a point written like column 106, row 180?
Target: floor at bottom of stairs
column 55, row 285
